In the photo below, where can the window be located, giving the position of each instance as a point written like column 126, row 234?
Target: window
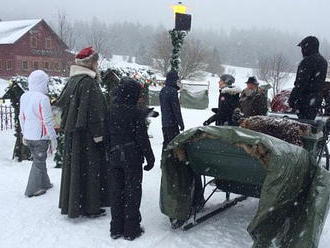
column 46, row 65
column 34, row 42
column 64, row 66
column 25, row 65
column 35, row 65
column 9, row 65
column 56, row 67
column 48, row 43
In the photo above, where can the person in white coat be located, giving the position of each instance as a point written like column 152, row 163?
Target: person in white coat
column 36, row 120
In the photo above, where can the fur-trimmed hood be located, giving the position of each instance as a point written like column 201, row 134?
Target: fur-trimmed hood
column 231, row 90
column 80, row 70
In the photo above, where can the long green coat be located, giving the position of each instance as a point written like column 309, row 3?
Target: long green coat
column 84, row 183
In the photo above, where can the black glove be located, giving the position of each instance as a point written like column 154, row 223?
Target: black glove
column 237, row 117
column 155, row 114
column 150, row 163
column 182, row 128
column 152, row 113
column 206, row 123
column 148, row 167
column 215, row 110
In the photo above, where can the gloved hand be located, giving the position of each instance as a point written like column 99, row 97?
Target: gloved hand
column 237, row 117
column 150, row 163
column 98, row 139
column 24, row 142
column 182, row 128
column 52, row 146
column 152, row 113
column 206, row 123
column 148, row 167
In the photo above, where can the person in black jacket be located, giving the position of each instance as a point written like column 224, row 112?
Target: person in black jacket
column 228, row 102
column 129, row 144
column 170, row 108
column 306, row 97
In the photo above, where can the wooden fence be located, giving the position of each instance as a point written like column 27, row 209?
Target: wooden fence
column 6, row 117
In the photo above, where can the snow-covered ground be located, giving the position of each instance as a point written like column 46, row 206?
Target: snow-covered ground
column 37, row 222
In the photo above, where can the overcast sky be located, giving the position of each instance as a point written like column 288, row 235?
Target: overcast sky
column 304, row 17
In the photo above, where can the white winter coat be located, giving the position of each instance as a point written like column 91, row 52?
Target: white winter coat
column 36, row 118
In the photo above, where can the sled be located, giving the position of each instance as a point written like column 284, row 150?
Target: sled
column 235, row 160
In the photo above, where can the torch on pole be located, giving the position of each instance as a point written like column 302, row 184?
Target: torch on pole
column 182, row 26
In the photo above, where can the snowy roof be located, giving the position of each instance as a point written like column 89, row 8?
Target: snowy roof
column 11, row 31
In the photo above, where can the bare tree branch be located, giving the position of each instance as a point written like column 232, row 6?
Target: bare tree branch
column 274, row 70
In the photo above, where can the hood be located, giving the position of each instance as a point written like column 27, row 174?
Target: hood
column 81, row 70
column 232, row 90
column 38, row 81
column 309, row 46
column 128, row 92
column 172, row 84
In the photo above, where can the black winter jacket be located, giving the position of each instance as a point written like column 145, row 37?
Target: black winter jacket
column 127, row 124
column 310, row 78
column 228, row 102
column 170, row 106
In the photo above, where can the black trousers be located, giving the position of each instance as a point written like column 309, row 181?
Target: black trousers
column 126, row 192
column 169, row 133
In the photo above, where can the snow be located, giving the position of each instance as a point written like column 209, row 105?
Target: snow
column 37, row 222
column 11, row 31
column 3, row 86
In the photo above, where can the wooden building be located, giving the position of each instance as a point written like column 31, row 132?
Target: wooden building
column 27, row 45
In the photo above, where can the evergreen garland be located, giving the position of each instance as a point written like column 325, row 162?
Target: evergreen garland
column 177, row 38
column 15, row 90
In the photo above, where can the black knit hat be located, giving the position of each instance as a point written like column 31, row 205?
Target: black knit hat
column 128, row 91
column 228, row 79
column 172, row 77
column 252, row 80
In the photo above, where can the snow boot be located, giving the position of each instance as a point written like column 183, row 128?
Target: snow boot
column 38, row 193
column 116, row 235
column 99, row 214
column 135, row 235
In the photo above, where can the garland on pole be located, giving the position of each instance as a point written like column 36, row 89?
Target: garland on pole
column 177, row 38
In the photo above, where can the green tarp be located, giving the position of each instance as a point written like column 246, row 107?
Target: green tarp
column 294, row 199
column 154, row 97
column 194, row 96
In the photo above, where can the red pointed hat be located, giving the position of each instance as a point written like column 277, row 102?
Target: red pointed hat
column 85, row 53
column 86, row 57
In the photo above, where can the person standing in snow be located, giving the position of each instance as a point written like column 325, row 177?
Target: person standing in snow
column 228, row 102
column 36, row 120
column 253, row 100
column 84, row 114
column 130, row 145
column 306, row 97
column 172, row 122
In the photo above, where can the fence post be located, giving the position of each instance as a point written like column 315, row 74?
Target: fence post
column 6, row 117
column 11, row 117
